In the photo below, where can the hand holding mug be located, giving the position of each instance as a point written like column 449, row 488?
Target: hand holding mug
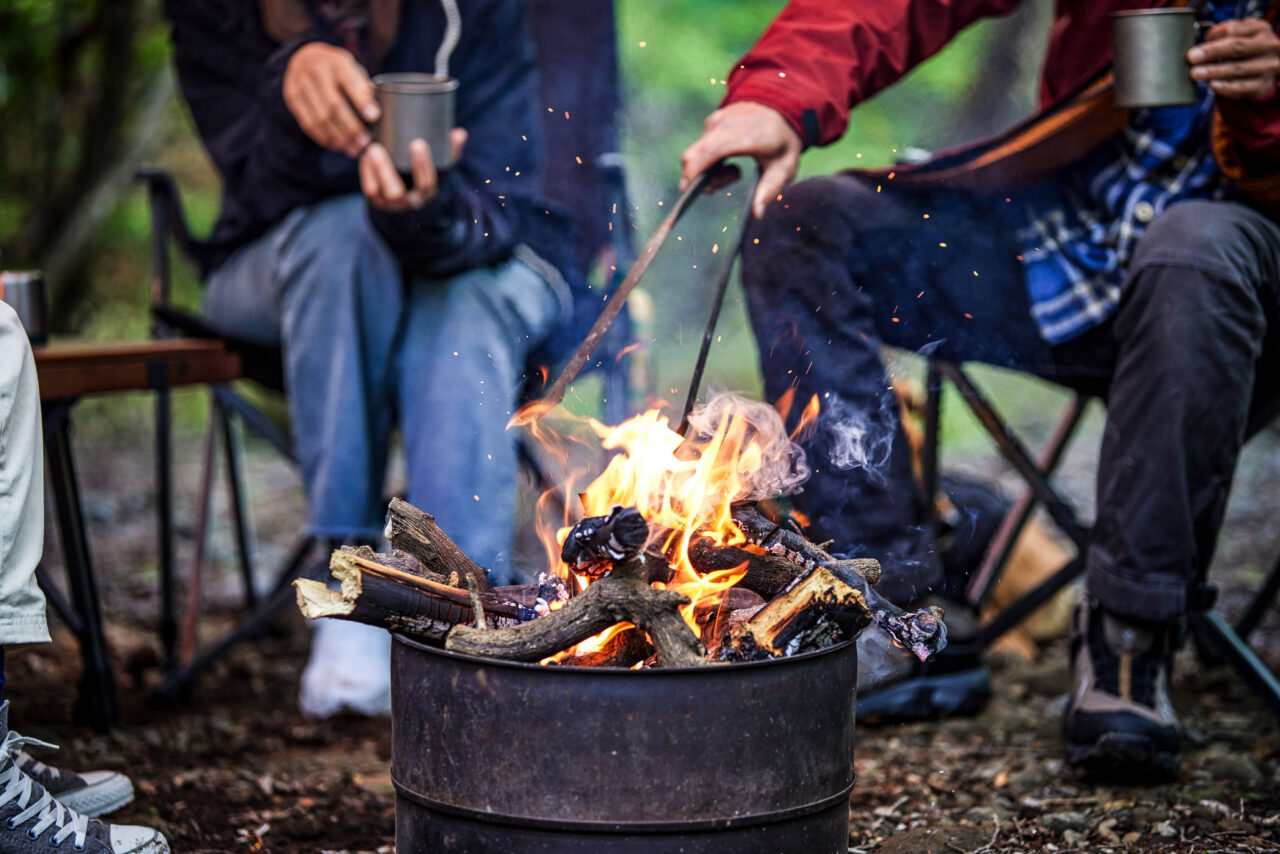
column 1239, row 59
column 386, row 190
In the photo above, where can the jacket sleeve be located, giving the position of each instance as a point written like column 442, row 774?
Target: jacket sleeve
column 475, row 219
column 232, row 76
column 820, row 57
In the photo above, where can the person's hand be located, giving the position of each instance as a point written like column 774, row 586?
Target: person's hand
column 331, row 97
column 384, row 188
column 751, row 129
column 1239, row 58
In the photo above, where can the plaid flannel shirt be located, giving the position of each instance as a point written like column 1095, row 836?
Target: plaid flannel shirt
column 1080, row 230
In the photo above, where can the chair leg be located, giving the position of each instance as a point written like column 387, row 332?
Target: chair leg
column 164, row 514
column 929, row 456
column 96, row 704
column 191, row 618
column 1261, row 604
column 1212, row 631
column 232, row 449
column 1012, row 449
column 178, row 683
column 984, row 581
column 1018, row 611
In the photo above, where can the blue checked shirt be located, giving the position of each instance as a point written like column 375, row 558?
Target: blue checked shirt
column 1080, row 230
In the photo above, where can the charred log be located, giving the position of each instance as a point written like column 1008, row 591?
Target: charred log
column 621, row 596
column 767, row 574
column 625, row 649
column 597, row 543
column 412, row 531
column 921, row 632
column 379, row 595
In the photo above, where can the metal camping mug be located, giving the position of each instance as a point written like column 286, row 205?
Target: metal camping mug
column 415, row 106
column 24, row 291
column 1150, row 55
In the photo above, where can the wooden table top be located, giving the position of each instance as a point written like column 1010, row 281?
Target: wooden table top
column 77, row 369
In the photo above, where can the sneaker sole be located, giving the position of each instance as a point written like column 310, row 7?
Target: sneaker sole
column 960, row 694
column 1123, row 757
column 101, row 799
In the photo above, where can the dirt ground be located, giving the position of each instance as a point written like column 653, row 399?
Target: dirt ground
column 239, row 769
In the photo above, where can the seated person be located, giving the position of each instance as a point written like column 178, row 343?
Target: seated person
column 393, row 304
column 1137, row 265
column 40, row 802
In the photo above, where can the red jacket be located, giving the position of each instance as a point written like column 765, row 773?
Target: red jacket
column 820, row 57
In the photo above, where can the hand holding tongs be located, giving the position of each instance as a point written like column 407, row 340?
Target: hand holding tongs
column 534, row 410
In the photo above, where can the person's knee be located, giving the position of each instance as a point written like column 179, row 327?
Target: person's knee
column 335, row 252
column 1219, row 238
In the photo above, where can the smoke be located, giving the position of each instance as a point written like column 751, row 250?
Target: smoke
column 860, row 438
column 782, row 468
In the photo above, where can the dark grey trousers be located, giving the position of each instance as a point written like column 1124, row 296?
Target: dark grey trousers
column 1189, row 365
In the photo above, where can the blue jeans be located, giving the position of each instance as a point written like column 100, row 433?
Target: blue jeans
column 365, row 346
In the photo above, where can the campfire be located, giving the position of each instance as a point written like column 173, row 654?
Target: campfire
column 674, row 562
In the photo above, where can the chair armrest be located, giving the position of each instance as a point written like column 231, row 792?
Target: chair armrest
column 167, row 220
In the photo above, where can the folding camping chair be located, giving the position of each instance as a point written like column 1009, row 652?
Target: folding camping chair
column 1216, row 638
column 579, row 80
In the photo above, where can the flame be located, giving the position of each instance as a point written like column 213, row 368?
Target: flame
column 685, row 487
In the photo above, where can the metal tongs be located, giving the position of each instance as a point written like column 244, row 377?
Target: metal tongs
column 534, row 410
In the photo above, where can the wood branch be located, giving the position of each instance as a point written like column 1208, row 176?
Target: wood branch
column 415, row 532
column 922, row 632
column 818, row 611
column 397, row 559
column 767, row 574
column 381, row 596
column 622, row 595
column 595, row 544
column 628, row 647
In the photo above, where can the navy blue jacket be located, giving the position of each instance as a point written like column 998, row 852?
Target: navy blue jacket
column 232, row 72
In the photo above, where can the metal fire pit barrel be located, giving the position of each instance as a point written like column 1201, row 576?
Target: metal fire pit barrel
column 504, row 757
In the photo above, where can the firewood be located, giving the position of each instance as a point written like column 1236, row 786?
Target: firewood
column 379, row 595
column 597, row 543
column 818, row 610
column 626, row 648
column 397, row 559
column 410, row 530
column 622, row 595
column 767, row 574
column 921, row 632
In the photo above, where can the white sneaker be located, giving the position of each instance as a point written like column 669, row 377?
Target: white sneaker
column 34, row 821
column 91, row 793
column 349, row 670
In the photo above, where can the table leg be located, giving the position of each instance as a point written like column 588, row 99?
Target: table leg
column 96, row 703
column 164, row 519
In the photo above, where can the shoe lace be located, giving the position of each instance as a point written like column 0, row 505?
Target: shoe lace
column 38, row 804
column 33, row 766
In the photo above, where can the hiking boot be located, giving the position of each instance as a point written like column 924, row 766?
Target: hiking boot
column 1119, row 724
column 32, row 821
column 895, row 687
column 91, row 793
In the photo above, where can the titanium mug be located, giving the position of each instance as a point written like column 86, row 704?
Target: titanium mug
column 415, row 106
column 1149, row 50
column 24, row 291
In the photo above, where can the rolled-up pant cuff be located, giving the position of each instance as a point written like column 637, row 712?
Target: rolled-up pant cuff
column 1155, row 597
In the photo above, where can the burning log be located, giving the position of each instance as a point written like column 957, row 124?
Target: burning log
column 818, row 611
column 628, row 647
column 623, row 595
column 767, row 574
column 396, row 559
column 597, row 543
column 921, row 632
column 412, row 531
column 393, row 599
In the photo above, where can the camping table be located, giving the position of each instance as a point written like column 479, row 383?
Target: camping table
column 68, row 372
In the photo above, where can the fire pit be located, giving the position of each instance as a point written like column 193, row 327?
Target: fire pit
column 491, row 755
column 681, row 679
